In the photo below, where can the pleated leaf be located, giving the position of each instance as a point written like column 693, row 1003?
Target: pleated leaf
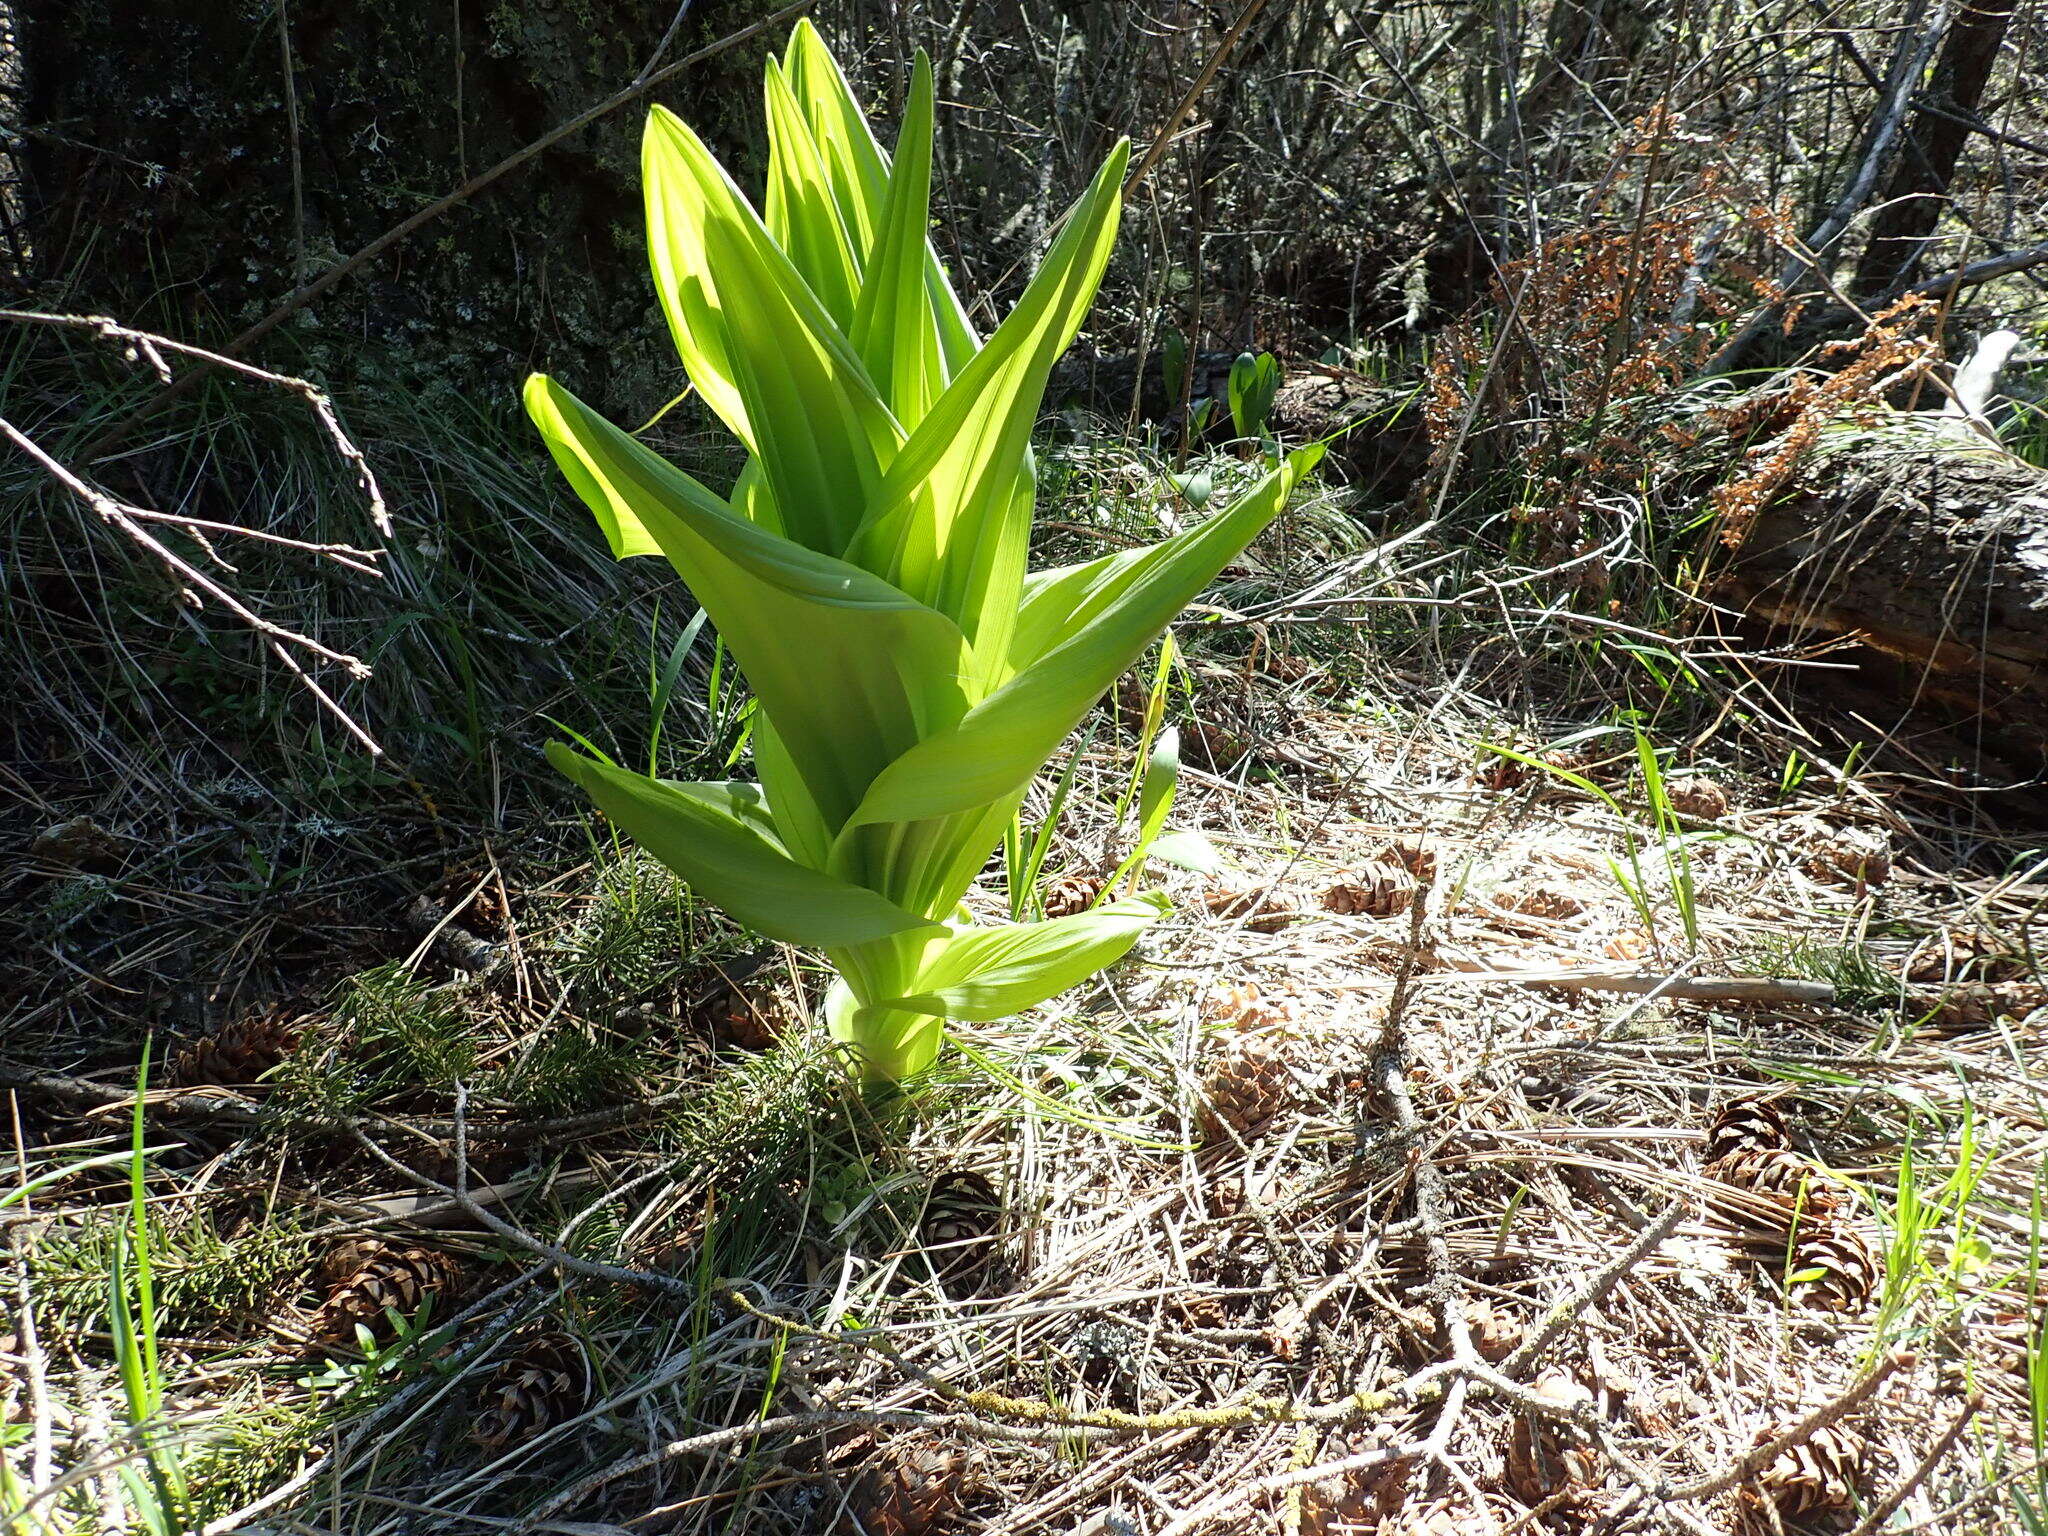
column 1087, row 623
column 716, row 837
column 950, row 525
column 800, row 211
column 850, row 671
column 990, row 973
column 894, row 329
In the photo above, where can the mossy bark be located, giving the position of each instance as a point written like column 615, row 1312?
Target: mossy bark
column 180, row 177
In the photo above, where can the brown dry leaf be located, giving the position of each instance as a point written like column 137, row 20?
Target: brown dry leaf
column 1353, row 1500
column 1241, row 1005
column 1413, row 855
column 1378, row 889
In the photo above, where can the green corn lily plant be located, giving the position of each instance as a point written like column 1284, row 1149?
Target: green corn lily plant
column 867, row 571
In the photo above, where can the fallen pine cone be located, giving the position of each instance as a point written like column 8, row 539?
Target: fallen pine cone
column 962, row 1218
column 1241, row 1005
column 1071, row 895
column 380, row 1279
column 1976, row 1005
column 544, row 1382
column 1542, row 1460
column 914, row 1490
column 1377, row 890
column 1243, row 1089
column 1817, row 1477
column 1856, row 856
column 1540, row 901
column 1261, row 911
column 1750, row 1123
column 1700, row 798
column 1497, row 772
column 1970, row 955
column 1835, row 1269
column 1789, row 1190
column 236, row 1055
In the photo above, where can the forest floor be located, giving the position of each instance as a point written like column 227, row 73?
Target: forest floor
column 1638, row 1128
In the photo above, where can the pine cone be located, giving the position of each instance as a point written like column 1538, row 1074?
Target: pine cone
column 1857, row 856
column 1697, row 797
column 1746, row 1124
column 1502, row 773
column 236, row 1055
column 1356, row 1500
column 1976, row 1004
column 1835, row 1269
column 1379, row 889
column 1542, row 901
column 962, row 1218
column 1413, row 855
column 915, row 1490
column 1071, row 894
column 1542, row 1459
column 1263, row 911
column 747, row 1021
column 1788, row 1191
column 1816, row 1478
column 1243, row 1090
column 381, row 1278
column 543, row 1383
column 1968, row 955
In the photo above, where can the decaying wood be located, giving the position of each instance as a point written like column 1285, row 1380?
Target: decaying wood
column 1933, row 552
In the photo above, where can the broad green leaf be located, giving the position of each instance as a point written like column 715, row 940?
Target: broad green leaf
column 850, row 671
column 800, row 211
column 716, row 836
column 951, row 524
column 893, row 328
column 991, row 973
column 1190, row 850
column 1080, row 627
column 761, row 348
column 859, row 171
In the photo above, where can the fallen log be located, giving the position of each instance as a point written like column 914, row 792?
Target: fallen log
column 1931, row 549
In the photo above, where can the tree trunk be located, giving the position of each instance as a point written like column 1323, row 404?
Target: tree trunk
column 1912, row 201
column 186, row 173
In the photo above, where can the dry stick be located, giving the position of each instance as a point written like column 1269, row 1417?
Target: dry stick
column 1163, row 140
column 152, row 346
column 202, row 1105
column 1909, row 66
column 1698, row 989
column 1565, row 1313
column 719, row 1439
column 1235, row 1498
column 1752, row 1462
column 1027, row 1410
column 116, row 514
column 307, row 292
column 1890, row 1503
column 473, row 1208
